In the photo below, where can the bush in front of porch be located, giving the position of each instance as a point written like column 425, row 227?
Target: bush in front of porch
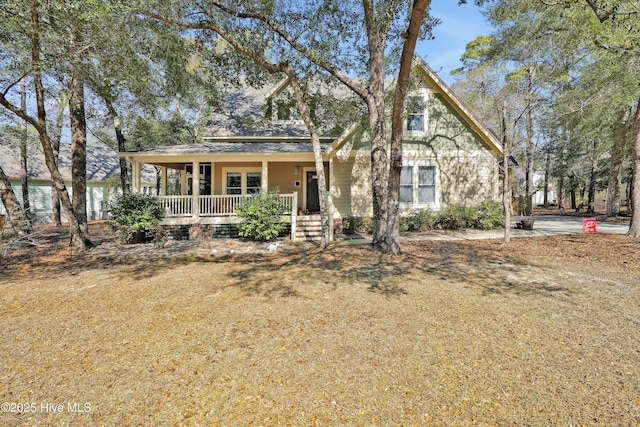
column 261, row 216
column 133, row 216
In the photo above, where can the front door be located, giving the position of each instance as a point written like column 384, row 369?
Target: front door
column 313, row 199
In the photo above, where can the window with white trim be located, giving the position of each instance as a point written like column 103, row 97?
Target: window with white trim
column 426, row 185
column 234, row 183
column 418, row 185
column 406, row 184
column 416, row 112
column 242, row 180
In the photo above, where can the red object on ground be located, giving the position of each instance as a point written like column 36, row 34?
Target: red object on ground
column 589, row 225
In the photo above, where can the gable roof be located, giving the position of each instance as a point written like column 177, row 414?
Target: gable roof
column 456, row 103
column 436, row 83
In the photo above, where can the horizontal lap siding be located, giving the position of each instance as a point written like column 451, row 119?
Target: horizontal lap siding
column 351, row 188
column 467, row 179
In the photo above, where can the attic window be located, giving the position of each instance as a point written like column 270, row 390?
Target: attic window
column 416, row 107
column 287, row 110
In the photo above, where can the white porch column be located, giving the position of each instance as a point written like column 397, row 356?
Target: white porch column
column 135, row 178
column 294, row 216
column 183, row 182
column 196, row 189
column 265, row 176
column 163, row 181
column 213, row 177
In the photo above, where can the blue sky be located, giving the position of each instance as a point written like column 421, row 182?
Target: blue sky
column 460, row 25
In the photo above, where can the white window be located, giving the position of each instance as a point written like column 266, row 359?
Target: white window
column 416, row 107
column 234, row 183
column 406, row 184
column 242, row 180
column 426, row 185
column 418, row 185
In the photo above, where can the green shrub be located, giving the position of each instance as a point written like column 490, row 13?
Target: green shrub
column 132, row 216
column 454, row 217
column 357, row 224
column 490, row 215
column 487, row 215
column 420, row 220
column 261, row 217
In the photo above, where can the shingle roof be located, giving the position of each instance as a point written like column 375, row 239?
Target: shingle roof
column 244, row 113
column 238, row 148
column 102, row 163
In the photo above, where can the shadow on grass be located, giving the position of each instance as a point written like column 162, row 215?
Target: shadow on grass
column 420, row 264
column 484, row 265
column 279, row 275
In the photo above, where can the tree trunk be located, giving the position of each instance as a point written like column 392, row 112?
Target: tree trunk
column 379, row 156
column 305, row 112
column 78, row 234
column 125, row 182
column 24, row 140
column 78, row 136
column 56, row 214
column 506, row 186
column 547, row 173
column 20, row 223
column 591, row 203
column 530, row 145
column 561, row 181
column 617, row 158
column 392, row 238
column 634, row 228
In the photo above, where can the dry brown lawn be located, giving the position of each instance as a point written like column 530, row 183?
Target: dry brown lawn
column 545, row 331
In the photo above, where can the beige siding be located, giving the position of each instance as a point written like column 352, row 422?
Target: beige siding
column 282, row 175
column 466, row 167
column 351, row 189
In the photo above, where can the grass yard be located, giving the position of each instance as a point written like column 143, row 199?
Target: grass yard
column 543, row 332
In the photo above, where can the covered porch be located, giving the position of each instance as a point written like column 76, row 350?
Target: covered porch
column 206, row 183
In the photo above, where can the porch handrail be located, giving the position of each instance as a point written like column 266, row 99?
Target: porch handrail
column 176, row 206
column 214, row 205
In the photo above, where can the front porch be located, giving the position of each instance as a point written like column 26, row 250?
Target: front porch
column 214, row 209
column 240, row 181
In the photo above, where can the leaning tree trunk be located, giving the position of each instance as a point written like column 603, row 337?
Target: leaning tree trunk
column 617, row 158
column 634, row 228
column 56, row 212
column 305, row 112
column 20, row 223
column 79, row 235
column 397, row 130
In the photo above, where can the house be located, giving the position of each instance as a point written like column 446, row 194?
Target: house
column 103, row 171
column 259, row 144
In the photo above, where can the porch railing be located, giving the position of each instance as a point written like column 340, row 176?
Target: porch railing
column 223, row 205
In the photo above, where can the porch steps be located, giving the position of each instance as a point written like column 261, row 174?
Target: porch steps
column 309, row 228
